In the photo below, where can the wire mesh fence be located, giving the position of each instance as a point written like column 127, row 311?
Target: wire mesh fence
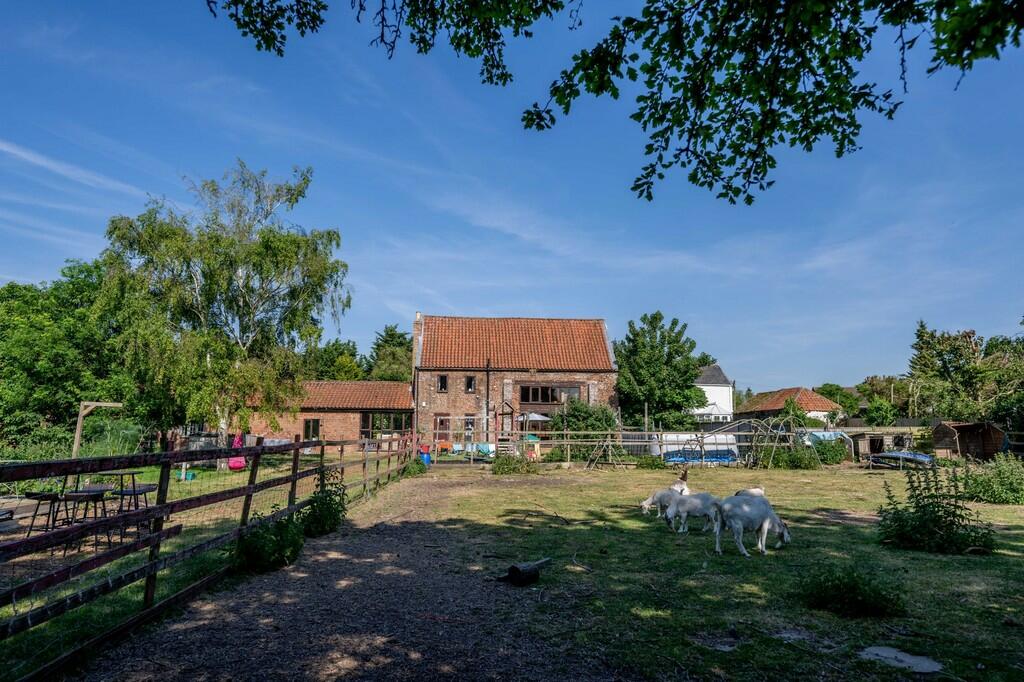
column 94, row 547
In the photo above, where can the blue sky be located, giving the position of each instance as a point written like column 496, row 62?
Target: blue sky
column 446, row 205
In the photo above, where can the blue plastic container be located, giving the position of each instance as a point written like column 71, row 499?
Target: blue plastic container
column 425, row 456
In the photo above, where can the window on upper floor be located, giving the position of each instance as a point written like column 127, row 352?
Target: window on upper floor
column 470, row 384
column 547, row 394
column 442, row 383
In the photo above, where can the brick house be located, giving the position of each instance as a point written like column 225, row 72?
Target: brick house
column 771, row 404
column 473, row 376
column 344, row 410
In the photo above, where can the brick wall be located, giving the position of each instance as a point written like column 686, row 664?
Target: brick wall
column 333, row 425
column 595, row 387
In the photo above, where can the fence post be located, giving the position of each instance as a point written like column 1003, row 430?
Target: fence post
column 295, row 471
column 376, row 468
column 366, row 484
column 254, row 466
column 390, row 444
column 155, row 526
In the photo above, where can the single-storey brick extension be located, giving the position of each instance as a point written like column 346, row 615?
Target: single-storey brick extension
column 344, row 410
column 770, row 404
column 477, row 375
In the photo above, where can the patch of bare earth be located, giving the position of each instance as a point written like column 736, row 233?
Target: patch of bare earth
column 390, row 596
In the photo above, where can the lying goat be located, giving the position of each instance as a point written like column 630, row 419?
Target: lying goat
column 749, row 512
column 751, row 492
column 701, row 504
column 660, row 499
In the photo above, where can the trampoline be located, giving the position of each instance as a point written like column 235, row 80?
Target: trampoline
column 900, row 459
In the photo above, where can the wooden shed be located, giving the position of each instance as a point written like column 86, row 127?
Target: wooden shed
column 977, row 440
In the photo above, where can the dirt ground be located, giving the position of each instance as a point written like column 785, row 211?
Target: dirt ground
column 395, row 594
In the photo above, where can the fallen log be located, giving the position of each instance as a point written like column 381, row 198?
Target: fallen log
column 524, row 574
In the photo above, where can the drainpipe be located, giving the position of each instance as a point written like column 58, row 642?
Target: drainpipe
column 487, row 403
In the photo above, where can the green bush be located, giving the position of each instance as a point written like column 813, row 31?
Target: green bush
column 935, row 517
column 555, row 454
column 269, row 546
column 650, row 462
column 504, row 465
column 1001, row 481
column 850, row 592
column 789, row 458
column 327, row 506
column 415, row 467
column 832, row 451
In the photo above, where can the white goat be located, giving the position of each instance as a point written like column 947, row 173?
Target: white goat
column 701, row 504
column 751, row 492
column 660, row 499
column 749, row 512
column 680, row 485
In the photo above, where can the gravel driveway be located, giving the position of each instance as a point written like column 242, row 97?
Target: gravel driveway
column 396, row 594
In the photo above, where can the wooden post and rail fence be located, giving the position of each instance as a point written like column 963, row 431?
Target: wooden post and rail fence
column 32, row 596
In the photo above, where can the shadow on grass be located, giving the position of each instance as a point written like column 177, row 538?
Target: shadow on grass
column 623, row 598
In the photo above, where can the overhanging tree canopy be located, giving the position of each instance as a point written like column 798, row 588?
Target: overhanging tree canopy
column 722, row 82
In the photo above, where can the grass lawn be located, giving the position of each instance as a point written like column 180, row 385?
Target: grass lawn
column 647, row 601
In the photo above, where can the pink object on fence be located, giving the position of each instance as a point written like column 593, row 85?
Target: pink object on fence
column 237, row 463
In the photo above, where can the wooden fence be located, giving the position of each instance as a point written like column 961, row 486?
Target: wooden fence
column 38, row 586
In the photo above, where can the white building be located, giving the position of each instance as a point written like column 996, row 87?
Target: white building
column 718, row 390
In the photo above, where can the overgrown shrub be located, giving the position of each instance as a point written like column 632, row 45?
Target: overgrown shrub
column 935, row 517
column 327, row 505
column 415, row 467
column 851, row 592
column 1001, row 481
column 555, row 454
column 832, row 451
column 269, row 546
column 504, row 465
column 650, row 462
column 789, row 458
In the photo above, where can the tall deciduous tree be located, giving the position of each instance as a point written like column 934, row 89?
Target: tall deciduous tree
column 657, row 367
column 837, row 394
column 960, row 375
column 215, row 304
column 390, row 357
column 721, row 84
column 54, row 353
column 335, row 360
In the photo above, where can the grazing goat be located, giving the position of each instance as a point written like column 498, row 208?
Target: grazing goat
column 701, row 504
column 749, row 512
column 680, row 485
column 659, row 499
column 751, row 492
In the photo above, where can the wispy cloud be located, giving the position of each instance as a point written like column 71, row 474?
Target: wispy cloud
column 14, row 222
column 66, row 170
column 26, row 200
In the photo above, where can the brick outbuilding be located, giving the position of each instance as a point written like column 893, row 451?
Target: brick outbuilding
column 344, row 410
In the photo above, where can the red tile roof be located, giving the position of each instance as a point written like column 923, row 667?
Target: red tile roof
column 357, row 395
column 805, row 398
column 514, row 343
